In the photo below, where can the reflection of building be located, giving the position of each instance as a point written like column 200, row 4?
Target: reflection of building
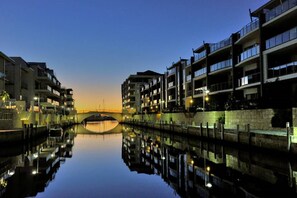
column 27, row 174
column 199, row 169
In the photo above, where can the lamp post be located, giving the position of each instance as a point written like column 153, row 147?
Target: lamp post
column 205, row 97
column 38, row 103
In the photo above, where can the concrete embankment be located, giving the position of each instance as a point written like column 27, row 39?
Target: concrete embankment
column 15, row 136
column 280, row 141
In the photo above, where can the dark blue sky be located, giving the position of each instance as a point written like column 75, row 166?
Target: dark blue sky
column 94, row 45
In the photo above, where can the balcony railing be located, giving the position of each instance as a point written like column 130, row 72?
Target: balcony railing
column 199, row 90
column 253, row 51
column 221, row 65
column 189, row 62
column 282, row 38
column 220, row 86
column 216, row 46
column 200, row 55
column 188, row 78
column 248, row 28
column 278, row 10
column 171, row 71
column 200, row 72
column 281, row 70
column 253, row 78
column 171, row 97
column 171, row 84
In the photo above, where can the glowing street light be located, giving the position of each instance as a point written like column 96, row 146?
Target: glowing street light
column 38, row 103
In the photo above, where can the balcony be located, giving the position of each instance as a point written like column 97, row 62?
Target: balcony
column 280, row 9
column 221, row 65
column 200, row 55
column 216, row 46
column 188, row 78
column 171, row 71
column 171, row 84
column 282, row 70
column 171, row 97
column 253, row 78
column 200, row 72
column 220, row 86
column 282, row 38
column 253, row 51
column 188, row 63
column 248, row 28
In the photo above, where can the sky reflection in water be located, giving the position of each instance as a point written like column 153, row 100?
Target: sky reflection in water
column 97, row 170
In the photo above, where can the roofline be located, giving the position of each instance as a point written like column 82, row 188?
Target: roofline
column 6, row 57
column 256, row 12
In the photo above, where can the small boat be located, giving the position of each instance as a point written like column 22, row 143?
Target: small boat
column 56, row 132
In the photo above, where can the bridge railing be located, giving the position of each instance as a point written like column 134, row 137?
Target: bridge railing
column 100, row 111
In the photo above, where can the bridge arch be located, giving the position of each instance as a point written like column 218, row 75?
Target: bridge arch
column 82, row 116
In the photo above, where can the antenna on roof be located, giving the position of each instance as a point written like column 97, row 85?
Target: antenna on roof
column 250, row 12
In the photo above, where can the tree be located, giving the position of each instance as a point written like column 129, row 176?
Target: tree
column 4, row 96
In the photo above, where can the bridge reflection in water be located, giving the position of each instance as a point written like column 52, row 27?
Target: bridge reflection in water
column 200, row 169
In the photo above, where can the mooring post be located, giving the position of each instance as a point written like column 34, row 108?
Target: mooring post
column 214, row 130
column 207, row 132
column 237, row 132
column 249, row 133
column 222, row 132
column 288, row 136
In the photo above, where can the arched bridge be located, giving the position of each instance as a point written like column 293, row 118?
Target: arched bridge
column 84, row 115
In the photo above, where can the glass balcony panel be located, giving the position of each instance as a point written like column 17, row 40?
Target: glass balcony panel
column 293, row 33
column 281, row 70
column 278, row 10
column 248, row 28
column 249, row 53
column 200, row 72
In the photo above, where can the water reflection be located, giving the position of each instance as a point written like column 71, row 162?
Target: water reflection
column 200, row 169
column 100, row 126
column 29, row 171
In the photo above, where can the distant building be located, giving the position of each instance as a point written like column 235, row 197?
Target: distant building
column 153, row 95
column 67, row 101
column 131, row 88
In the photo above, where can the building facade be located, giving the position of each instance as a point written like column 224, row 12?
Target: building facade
column 255, row 67
column 131, row 90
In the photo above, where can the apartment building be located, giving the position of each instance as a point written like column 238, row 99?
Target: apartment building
column 255, row 67
column 47, row 87
column 66, row 101
column 153, row 95
column 175, row 86
column 20, row 81
column 131, row 90
column 4, row 60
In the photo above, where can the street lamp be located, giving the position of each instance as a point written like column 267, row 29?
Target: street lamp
column 38, row 103
column 205, row 97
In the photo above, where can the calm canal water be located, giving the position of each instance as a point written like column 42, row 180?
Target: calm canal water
column 95, row 160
